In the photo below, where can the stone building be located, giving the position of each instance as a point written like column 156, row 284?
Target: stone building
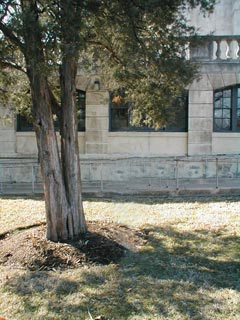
column 204, row 145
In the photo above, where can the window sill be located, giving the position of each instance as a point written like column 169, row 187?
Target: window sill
column 147, row 134
column 32, row 133
column 226, row 134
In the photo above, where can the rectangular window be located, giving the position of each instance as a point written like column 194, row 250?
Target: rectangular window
column 226, row 115
column 81, row 109
column 23, row 124
column 120, row 116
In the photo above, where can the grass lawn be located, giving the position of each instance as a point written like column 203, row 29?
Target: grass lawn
column 188, row 269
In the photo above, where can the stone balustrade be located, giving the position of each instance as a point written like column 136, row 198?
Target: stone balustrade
column 215, row 48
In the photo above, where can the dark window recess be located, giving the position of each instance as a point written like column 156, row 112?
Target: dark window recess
column 226, row 117
column 24, row 125
column 81, row 109
column 120, row 116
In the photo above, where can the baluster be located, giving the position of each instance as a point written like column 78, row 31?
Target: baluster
column 210, row 49
column 218, row 51
column 238, row 49
column 229, row 52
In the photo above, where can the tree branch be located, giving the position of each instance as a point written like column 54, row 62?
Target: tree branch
column 8, row 64
column 11, row 36
column 109, row 49
column 6, row 10
column 54, row 104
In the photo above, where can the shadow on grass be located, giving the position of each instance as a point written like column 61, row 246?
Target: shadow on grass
column 176, row 275
column 157, row 198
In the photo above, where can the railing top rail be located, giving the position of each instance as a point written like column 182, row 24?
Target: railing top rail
column 215, row 37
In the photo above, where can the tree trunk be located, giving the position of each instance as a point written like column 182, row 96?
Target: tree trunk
column 70, row 23
column 57, row 209
column 69, row 146
column 64, row 211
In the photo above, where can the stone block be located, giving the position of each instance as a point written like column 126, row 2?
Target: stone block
column 200, row 110
column 97, row 98
column 199, row 149
column 26, row 143
column 128, row 145
column 202, row 84
column 96, row 148
column 200, row 137
column 238, row 77
column 81, row 142
column 82, row 82
column 226, row 143
column 216, row 80
column 229, row 79
column 7, row 135
column 192, row 170
column 97, row 110
column 97, row 136
column 168, row 146
column 200, row 124
column 200, row 97
column 6, row 148
column 97, row 123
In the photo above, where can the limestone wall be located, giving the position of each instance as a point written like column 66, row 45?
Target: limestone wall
column 200, row 140
column 223, row 21
column 98, row 141
column 7, row 133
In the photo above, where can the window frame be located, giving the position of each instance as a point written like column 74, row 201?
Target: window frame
column 20, row 120
column 146, row 129
column 233, row 109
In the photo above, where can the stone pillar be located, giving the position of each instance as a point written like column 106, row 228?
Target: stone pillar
column 97, row 121
column 236, row 17
column 7, row 133
column 200, row 124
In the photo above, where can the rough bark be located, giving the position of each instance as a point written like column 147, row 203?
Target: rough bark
column 69, row 147
column 64, row 211
column 68, row 118
column 57, row 209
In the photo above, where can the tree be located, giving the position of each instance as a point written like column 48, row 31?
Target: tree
column 138, row 45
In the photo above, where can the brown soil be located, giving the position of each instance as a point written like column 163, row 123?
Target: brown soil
column 104, row 243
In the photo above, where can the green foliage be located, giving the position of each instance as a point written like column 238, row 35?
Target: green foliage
column 139, row 45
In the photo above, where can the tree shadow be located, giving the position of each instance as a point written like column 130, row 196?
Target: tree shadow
column 158, row 198
column 174, row 275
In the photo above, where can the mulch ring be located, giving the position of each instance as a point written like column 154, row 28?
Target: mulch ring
column 104, row 243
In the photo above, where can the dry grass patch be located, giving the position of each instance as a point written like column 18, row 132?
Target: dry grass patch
column 187, row 269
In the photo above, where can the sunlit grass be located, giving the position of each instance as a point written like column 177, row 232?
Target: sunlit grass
column 189, row 268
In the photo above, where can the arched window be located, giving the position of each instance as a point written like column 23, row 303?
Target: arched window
column 226, row 116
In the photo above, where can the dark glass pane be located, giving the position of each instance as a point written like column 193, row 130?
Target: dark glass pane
column 238, row 123
column 226, row 124
column 218, row 124
column 81, row 119
column 227, row 93
column 238, row 103
column 227, row 103
column 119, row 119
column 218, row 113
column 226, row 113
column 218, row 95
column 121, row 115
column 218, row 104
column 81, row 109
column 178, row 119
column 238, row 92
column 238, row 118
column 23, row 124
